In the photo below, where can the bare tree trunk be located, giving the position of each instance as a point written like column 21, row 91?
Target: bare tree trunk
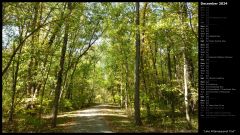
column 161, row 66
column 144, row 76
column 186, row 90
column 14, row 86
column 43, row 89
column 126, row 89
column 172, row 102
column 175, row 66
column 60, row 73
column 169, row 64
column 121, row 88
column 156, row 80
column 145, row 89
column 185, row 67
column 136, row 98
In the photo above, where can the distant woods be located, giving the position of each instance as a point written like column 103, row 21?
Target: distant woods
column 65, row 56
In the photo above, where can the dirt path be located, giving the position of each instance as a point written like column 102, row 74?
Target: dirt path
column 89, row 120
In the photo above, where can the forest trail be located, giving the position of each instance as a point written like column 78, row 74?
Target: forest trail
column 72, row 55
column 89, row 120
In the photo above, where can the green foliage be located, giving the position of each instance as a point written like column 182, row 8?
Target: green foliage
column 79, row 102
column 65, row 105
column 33, row 122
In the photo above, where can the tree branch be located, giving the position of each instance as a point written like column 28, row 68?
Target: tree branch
column 23, row 41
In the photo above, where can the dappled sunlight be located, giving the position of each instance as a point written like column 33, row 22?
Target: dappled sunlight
column 95, row 111
column 67, row 124
column 111, row 110
column 91, row 120
column 90, row 114
column 125, row 121
column 99, row 118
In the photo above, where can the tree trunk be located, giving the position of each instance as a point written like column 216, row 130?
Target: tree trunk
column 154, row 60
column 14, row 85
column 121, row 87
column 161, row 66
column 186, row 90
column 32, row 64
column 136, row 98
column 60, row 73
column 185, row 68
column 121, row 91
column 144, row 76
column 43, row 89
column 126, row 89
column 13, row 93
column 170, row 80
column 175, row 66
column 145, row 89
column 169, row 64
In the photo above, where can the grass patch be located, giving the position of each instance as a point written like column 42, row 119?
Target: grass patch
column 30, row 124
column 24, row 123
column 159, row 122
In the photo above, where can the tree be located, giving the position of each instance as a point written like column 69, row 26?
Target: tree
column 137, row 63
column 14, row 85
column 60, row 73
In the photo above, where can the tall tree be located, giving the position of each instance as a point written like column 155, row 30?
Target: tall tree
column 60, row 72
column 136, row 98
column 143, row 61
column 14, row 84
column 183, row 9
